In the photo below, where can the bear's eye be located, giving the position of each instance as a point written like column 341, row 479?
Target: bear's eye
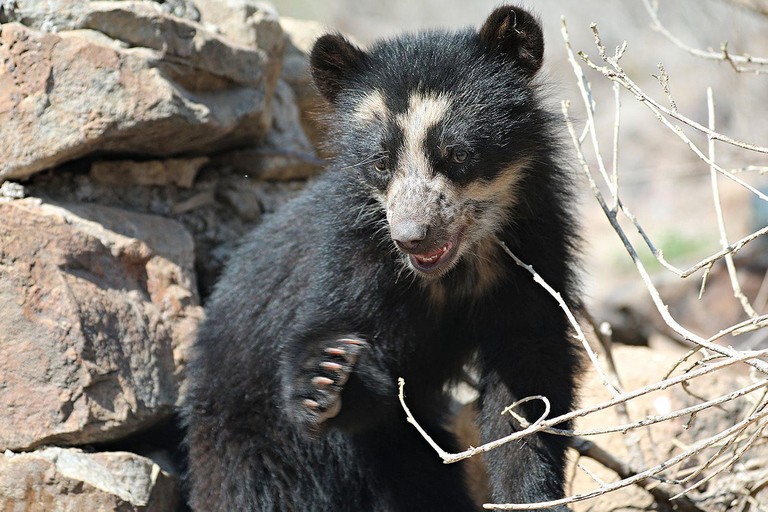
column 459, row 155
column 381, row 163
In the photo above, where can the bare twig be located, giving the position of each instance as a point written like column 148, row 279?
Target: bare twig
column 571, row 318
column 697, row 448
column 617, row 74
column 585, row 90
column 732, row 438
column 615, row 168
column 734, row 60
column 589, row 449
column 663, row 79
column 719, row 211
column 658, row 302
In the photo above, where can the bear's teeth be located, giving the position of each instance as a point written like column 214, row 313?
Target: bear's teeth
column 435, row 256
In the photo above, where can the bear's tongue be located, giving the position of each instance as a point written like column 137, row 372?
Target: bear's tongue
column 433, row 257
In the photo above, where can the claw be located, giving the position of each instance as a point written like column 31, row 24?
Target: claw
column 322, row 382
column 351, row 341
column 335, row 351
column 333, row 367
column 311, row 404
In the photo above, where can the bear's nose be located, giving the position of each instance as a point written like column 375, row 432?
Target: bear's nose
column 409, row 236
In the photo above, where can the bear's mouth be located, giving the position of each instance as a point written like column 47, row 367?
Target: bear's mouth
column 437, row 259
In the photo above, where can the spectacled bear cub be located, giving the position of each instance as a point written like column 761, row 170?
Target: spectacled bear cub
column 389, row 266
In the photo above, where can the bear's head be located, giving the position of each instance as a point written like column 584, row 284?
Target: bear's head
column 442, row 128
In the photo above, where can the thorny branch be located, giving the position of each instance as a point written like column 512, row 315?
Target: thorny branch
column 721, row 450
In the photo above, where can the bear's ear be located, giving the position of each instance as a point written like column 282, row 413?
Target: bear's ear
column 333, row 61
column 517, row 35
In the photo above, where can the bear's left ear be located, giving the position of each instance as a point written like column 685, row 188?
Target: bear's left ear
column 516, row 34
column 333, row 61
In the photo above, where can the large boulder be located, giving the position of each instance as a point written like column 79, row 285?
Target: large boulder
column 131, row 79
column 69, row 480
column 99, row 307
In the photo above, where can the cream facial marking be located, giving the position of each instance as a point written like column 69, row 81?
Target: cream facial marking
column 423, row 113
column 414, row 188
column 371, row 107
column 503, row 188
column 420, row 201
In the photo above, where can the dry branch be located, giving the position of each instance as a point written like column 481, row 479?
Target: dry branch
column 587, row 448
column 723, row 55
column 748, row 309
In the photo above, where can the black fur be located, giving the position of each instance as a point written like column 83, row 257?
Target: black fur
column 324, row 270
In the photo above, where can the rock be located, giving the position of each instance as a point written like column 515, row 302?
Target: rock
column 301, row 36
column 192, row 56
column 245, row 22
column 178, row 89
column 58, row 15
column 99, row 308
column 251, row 24
column 10, row 190
column 285, row 153
column 50, row 16
column 171, row 280
column 218, row 210
column 205, row 198
column 70, row 480
column 124, row 173
column 180, row 8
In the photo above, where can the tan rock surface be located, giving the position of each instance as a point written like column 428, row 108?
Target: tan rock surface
column 69, row 480
column 124, row 173
column 169, row 87
column 285, row 153
column 246, row 22
column 58, row 15
column 301, row 36
column 99, row 308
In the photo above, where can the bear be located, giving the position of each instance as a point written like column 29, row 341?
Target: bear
column 389, row 265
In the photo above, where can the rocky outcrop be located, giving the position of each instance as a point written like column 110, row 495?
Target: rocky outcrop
column 58, row 15
column 286, row 152
column 246, row 22
column 131, row 79
column 140, row 140
column 70, row 480
column 99, row 308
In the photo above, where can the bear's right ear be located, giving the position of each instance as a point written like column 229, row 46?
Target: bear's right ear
column 516, row 34
column 333, row 61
